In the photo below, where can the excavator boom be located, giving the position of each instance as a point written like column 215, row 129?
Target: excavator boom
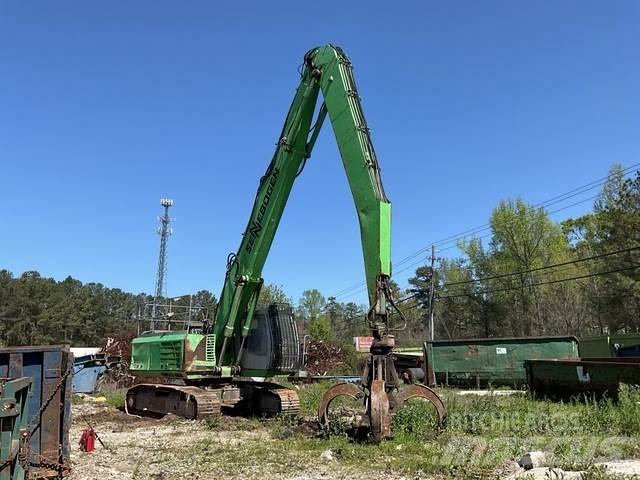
column 329, row 71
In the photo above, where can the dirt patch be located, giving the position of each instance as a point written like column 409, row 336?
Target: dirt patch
column 175, row 448
column 148, row 448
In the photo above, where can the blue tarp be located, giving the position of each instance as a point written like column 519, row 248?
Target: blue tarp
column 87, row 370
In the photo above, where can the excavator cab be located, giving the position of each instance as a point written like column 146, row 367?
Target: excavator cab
column 273, row 344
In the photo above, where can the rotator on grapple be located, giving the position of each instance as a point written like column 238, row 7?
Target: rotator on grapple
column 215, row 368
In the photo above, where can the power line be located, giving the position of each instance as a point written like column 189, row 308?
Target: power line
column 552, row 201
column 580, row 277
column 407, row 267
column 549, row 282
column 520, row 272
column 490, row 233
column 359, row 320
column 484, row 292
column 546, row 267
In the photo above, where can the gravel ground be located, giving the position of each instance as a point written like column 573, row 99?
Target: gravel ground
column 238, row 448
column 174, row 448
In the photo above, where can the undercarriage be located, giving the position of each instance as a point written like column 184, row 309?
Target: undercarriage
column 197, row 402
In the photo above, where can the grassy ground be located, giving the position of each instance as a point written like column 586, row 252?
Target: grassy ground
column 481, row 435
column 483, row 432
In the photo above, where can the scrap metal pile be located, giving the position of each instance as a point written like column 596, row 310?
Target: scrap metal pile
column 323, row 357
column 117, row 346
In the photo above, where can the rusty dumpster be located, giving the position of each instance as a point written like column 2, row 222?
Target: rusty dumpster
column 50, row 369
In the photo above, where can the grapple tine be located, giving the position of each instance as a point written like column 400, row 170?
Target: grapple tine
column 340, row 390
column 422, row 391
column 379, row 411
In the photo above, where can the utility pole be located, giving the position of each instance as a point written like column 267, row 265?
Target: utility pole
column 161, row 276
column 432, row 291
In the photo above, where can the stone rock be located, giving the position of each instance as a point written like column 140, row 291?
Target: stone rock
column 541, row 473
column 508, row 470
column 622, row 467
column 327, row 455
column 532, row 460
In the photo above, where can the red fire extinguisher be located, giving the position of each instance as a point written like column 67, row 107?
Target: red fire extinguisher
column 88, row 440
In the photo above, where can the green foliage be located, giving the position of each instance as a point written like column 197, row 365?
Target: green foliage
column 416, row 418
column 320, row 329
column 628, row 414
column 310, row 396
column 38, row 311
column 212, row 422
column 505, row 428
column 352, row 361
column 504, row 287
column 311, row 305
column 115, row 399
column 271, row 293
column 613, row 226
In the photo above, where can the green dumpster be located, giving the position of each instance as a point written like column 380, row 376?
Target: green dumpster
column 572, row 377
column 14, row 429
column 606, row 345
column 494, row 361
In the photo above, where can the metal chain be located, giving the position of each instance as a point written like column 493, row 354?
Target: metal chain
column 58, row 467
column 25, row 440
column 45, row 404
column 22, row 454
column 42, row 461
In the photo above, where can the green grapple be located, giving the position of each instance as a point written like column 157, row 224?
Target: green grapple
column 244, row 342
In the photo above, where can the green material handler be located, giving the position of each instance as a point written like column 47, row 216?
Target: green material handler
column 217, row 368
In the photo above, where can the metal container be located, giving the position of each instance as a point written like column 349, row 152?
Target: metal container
column 495, row 361
column 88, row 369
column 50, row 368
column 606, row 345
column 565, row 378
column 14, row 427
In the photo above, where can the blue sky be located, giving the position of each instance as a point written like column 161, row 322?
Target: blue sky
column 105, row 107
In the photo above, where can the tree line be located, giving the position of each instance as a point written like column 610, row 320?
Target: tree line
column 529, row 275
column 35, row 310
column 535, row 276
